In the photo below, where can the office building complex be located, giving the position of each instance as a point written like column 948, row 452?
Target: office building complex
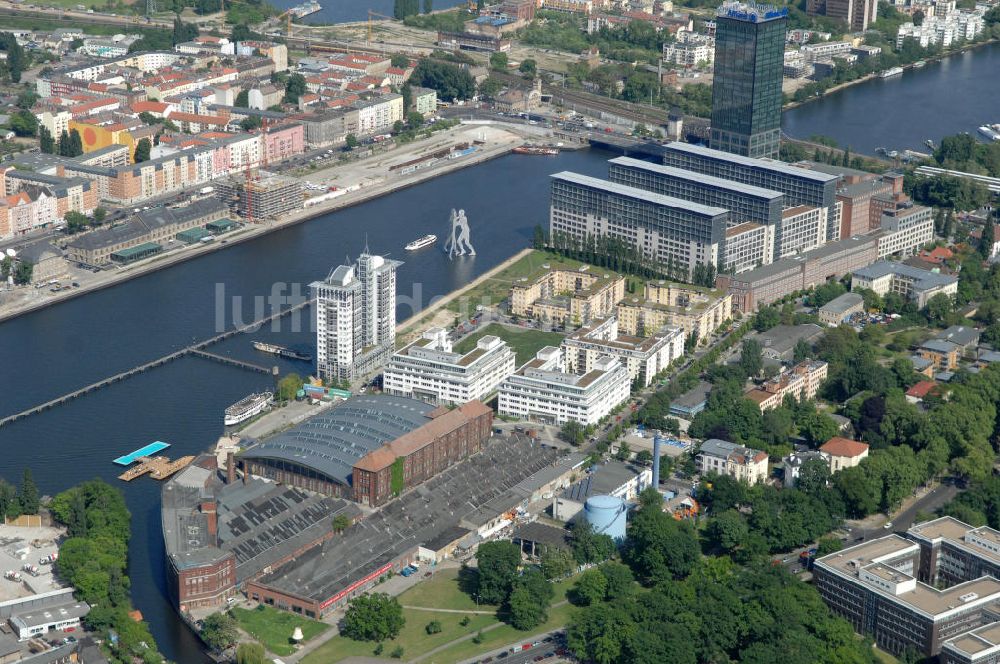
column 543, row 390
column 801, row 186
column 644, row 357
column 764, row 285
column 935, row 591
column 746, row 203
column 674, row 232
column 914, row 284
column 429, row 369
column 355, row 317
column 746, row 89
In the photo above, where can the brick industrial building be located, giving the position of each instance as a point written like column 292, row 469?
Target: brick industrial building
column 371, row 448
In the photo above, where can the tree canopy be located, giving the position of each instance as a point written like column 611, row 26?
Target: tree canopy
column 373, row 617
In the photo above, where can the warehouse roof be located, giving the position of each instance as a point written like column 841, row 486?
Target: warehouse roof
column 331, row 442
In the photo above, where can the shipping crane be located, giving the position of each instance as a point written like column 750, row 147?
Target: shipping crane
column 287, row 15
column 371, row 23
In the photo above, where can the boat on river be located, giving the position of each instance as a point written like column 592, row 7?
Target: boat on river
column 892, row 71
column 281, row 351
column 248, row 407
column 422, row 242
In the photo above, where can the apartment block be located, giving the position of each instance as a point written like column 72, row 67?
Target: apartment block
column 856, row 200
column 544, row 391
column 695, row 310
column 801, row 382
column 644, row 357
column 355, row 317
column 429, row 369
column 669, row 230
column 567, row 296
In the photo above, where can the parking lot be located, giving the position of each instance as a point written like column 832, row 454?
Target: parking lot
column 27, row 546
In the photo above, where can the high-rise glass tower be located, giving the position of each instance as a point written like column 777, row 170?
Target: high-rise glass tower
column 746, row 89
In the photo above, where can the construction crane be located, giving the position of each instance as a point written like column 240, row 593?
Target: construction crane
column 371, row 23
column 287, row 15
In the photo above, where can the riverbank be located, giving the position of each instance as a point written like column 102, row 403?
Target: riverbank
column 433, row 316
column 864, row 79
column 371, row 178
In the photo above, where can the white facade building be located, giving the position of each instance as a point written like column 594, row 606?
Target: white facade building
column 429, row 369
column 355, row 317
column 748, row 245
column 644, row 357
column 802, row 228
column 543, row 390
column 905, row 230
column 690, row 49
column 724, row 458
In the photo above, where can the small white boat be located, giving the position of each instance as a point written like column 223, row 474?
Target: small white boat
column 420, row 243
column 892, row 71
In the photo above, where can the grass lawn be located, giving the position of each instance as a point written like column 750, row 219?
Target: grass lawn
column 497, row 288
column 525, row 341
column 441, row 592
column 884, row 657
column 274, row 628
column 501, row 636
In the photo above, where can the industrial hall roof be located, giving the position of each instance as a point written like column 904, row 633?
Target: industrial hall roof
column 331, row 442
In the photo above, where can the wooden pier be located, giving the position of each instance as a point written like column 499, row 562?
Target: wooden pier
column 160, row 467
column 197, row 349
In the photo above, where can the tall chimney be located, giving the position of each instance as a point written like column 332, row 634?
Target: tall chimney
column 230, row 468
column 656, row 461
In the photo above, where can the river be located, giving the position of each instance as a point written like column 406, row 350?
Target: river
column 953, row 95
column 58, row 349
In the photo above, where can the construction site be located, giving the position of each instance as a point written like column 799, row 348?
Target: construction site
column 261, row 195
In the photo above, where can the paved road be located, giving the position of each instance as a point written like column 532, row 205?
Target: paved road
column 505, row 656
column 931, row 501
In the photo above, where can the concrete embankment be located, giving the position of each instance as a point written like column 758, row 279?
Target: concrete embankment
column 386, row 184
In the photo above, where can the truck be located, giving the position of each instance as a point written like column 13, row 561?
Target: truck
column 11, row 575
column 30, row 569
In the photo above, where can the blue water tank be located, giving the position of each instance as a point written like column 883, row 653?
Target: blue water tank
column 606, row 515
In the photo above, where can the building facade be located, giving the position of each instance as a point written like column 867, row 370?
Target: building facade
column 567, row 296
column 643, row 357
column 355, row 317
column 725, row 458
column 543, row 390
column 429, row 369
column 801, row 382
column 746, row 88
column 672, row 231
column 695, row 310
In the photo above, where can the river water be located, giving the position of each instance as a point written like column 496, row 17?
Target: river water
column 954, row 95
column 56, row 350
